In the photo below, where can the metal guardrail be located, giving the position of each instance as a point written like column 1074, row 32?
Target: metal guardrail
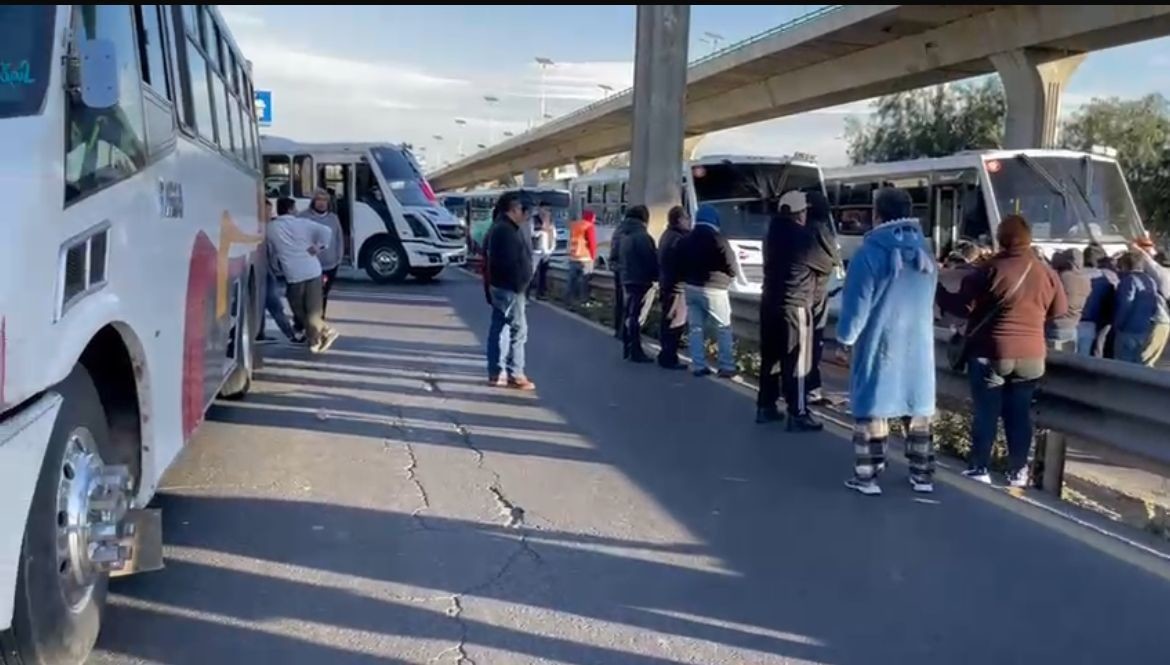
column 1119, row 405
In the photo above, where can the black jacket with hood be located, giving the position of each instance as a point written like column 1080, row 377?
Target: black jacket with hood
column 637, row 255
column 795, row 260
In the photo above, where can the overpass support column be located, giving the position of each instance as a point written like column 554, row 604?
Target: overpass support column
column 1033, row 84
column 660, row 83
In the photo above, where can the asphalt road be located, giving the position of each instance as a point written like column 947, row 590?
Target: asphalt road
column 381, row 504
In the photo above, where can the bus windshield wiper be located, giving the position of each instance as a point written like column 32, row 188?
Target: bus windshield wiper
column 1061, row 189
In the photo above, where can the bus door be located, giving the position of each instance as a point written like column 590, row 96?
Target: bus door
column 337, row 179
column 946, row 215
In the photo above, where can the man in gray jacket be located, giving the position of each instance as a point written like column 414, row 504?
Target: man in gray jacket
column 320, row 211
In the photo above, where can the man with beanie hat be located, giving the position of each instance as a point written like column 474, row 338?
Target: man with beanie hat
column 706, row 264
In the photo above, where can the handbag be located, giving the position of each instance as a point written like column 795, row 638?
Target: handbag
column 958, row 346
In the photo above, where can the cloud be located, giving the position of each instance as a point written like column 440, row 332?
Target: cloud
column 580, row 81
column 281, row 61
column 241, row 17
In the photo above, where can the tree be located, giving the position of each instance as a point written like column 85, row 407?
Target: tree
column 930, row 122
column 1139, row 130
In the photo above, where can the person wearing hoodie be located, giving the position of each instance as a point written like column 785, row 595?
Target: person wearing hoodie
column 707, row 266
column 639, row 270
column 1098, row 307
column 887, row 323
column 795, row 263
column 320, row 211
column 1006, row 303
column 671, row 293
column 1141, row 320
column 1070, row 332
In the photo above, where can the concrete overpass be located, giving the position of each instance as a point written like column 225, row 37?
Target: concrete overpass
column 847, row 53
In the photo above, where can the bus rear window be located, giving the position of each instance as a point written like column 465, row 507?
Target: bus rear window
column 729, row 181
column 26, row 41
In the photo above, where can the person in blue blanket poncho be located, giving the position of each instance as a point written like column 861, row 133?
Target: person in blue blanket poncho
column 887, row 321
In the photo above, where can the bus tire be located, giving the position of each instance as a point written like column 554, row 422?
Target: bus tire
column 426, row 274
column 46, row 628
column 386, row 261
column 239, row 382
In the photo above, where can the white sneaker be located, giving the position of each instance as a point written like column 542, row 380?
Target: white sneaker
column 921, row 486
column 978, row 475
column 866, row 487
column 1020, row 479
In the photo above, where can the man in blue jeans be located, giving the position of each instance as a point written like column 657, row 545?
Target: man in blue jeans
column 507, row 272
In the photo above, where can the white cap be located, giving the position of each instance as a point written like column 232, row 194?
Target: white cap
column 795, row 200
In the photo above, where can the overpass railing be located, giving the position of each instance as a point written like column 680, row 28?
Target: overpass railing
column 1118, row 405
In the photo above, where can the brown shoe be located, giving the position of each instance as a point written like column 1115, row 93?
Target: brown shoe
column 521, row 383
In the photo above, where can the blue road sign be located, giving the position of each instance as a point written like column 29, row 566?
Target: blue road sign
column 264, row 107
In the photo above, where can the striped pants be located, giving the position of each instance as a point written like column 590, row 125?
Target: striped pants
column 786, row 357
column 870, row 437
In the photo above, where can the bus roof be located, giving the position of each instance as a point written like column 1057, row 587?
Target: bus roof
column 961, row 160
column 280, row 145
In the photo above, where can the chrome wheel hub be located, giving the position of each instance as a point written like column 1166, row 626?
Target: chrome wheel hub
column 92, row 500
column 385, row 261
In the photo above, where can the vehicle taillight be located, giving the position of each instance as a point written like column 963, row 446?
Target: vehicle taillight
column 428, row 192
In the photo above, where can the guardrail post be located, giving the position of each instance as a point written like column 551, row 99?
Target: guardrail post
column 1048, row 469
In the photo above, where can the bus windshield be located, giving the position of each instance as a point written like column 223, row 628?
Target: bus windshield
column 556, row 200
column 1075, row 199
column 745, row 193
column 25, row 45
column 402, row 177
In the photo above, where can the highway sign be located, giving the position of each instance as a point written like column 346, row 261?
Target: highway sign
column 264, row 107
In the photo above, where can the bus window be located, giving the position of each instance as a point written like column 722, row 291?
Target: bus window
column 153, row 59
column 403, row 179
column 975, row 224
column 744, row 193
column 107, row 145
column 303, row 177
column 276, row 176
column 853, row 208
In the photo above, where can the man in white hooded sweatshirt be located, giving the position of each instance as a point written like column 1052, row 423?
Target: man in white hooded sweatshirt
column 319, row 211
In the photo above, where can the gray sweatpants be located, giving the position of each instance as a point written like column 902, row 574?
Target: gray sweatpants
column 307, row 300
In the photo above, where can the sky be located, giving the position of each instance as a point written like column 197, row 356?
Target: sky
column 408, row 73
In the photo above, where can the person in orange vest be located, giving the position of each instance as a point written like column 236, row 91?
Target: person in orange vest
column 582, row 253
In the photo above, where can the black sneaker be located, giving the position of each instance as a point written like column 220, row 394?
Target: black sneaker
column 768, row 415
column 804, row 423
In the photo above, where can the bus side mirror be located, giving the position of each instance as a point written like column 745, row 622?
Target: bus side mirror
column 98, row 70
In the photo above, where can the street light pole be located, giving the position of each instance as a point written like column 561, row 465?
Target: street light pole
column 491, row 100
column 544, row 64
column 461, row 123
column 606, row 90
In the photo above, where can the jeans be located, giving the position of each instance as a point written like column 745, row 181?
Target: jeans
column 1003, row 388
column 507, row 334
column 540, row 283
column 1086, row 338
column 578, row 288
column 274, row 306
column 1143, row 349
column 709, row 306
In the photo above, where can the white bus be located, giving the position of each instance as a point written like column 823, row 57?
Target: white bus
column 1069, row 198
column 129, row 287
column 475, row 207
column 744, row 189
column 392, row 221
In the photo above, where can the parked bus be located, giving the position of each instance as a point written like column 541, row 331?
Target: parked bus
column 392, row 222
column 476, row 207
column 1069, row 198
column 744, row 189
column 130, row 276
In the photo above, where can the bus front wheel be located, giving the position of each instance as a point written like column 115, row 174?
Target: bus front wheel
column 386, row 261
column 69, row 543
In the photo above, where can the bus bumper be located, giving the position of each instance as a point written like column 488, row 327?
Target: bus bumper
column 430, row 256
column 23, row 440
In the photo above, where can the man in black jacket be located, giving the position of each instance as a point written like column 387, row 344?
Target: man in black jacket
column 793, row 262
column 507, row 274
column 820, row 223
column 639, row 270
column 672, row 296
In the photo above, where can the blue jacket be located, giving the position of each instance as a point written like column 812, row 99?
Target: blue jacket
column 887, row 316
column 1139, row 304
